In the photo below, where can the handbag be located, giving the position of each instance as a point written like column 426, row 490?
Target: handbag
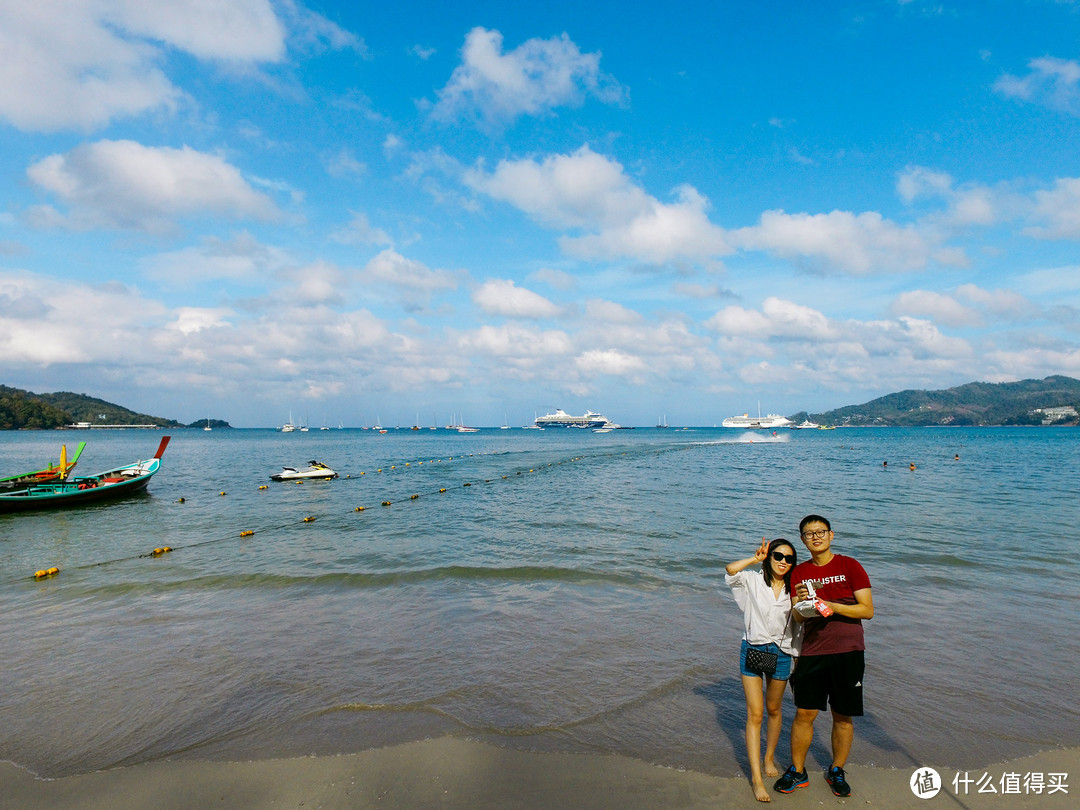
column 760, row 661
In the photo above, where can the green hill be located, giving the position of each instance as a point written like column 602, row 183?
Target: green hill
column 1012, row 403
column 22, row 410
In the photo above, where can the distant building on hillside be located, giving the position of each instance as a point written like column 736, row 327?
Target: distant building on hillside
column 1050, row 415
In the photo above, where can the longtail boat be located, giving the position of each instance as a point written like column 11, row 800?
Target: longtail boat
column 50, row 474
column 114, row 483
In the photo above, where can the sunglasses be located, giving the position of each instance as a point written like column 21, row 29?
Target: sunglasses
column 780, row 557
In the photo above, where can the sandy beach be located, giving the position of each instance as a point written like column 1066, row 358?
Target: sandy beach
column 456, row 773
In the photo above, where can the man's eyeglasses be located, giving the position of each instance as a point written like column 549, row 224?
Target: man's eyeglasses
column 780, row 557
column 820, row 534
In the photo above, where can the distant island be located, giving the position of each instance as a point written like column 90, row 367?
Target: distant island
column 1052, row 401
column 25, row 410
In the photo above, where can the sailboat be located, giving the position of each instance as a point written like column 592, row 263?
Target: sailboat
column 208, row 424
column 288, row 427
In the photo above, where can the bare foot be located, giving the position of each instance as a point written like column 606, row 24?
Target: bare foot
column 760, row 793
column 771, row 769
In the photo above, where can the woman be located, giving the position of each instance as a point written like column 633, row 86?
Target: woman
column 765, row 600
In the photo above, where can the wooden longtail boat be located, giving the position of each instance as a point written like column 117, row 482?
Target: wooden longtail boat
column 50, row 474
column 114, row 483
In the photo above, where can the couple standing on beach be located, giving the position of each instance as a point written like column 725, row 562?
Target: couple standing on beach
column 802, row 622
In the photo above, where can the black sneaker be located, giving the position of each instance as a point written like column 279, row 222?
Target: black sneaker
column 790, row 780
column 835, row 777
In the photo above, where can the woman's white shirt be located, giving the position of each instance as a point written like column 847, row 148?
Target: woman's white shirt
column 766, row 616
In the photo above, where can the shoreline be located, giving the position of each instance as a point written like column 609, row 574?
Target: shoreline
column 450, row 772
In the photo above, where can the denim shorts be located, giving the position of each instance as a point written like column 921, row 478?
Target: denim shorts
column 783, row 661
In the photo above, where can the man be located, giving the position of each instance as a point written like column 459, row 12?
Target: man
column 830, row 668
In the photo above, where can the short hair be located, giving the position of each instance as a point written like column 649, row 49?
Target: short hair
column 814, row 519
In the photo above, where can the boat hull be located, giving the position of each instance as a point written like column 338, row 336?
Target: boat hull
column 113, row 484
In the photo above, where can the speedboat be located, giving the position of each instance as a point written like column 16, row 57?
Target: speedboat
column 314, row 470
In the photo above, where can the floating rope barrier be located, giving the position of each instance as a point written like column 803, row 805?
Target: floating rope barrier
column 159, row 552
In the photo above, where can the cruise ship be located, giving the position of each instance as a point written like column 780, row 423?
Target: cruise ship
column 773, row 420
column 561, row 418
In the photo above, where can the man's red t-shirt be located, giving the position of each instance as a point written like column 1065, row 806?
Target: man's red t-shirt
column 835, row 581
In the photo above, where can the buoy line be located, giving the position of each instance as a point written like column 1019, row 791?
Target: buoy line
column 49, row 573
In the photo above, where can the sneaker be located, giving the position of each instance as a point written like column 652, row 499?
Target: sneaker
column 790, row 780
column 835, row 777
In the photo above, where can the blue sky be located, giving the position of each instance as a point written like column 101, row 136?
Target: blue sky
column 414, row 210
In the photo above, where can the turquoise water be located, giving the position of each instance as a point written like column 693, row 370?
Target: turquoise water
column 565, row 593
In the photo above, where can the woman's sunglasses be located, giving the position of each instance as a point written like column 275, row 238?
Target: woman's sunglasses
column 781, row 557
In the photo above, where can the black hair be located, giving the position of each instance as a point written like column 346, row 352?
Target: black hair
column 814, row 519
column 766, row 567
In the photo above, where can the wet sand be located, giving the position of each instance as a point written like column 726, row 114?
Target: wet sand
column 460, row 774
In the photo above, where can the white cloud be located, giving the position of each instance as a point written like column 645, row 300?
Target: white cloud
column 609, row 312
column 412, row 281
column 609, row 361
column 241, row 258
column 83, row 63
column 939, row 307
column 535, row 77
column 516, row 341
column 556, row 279
column 968, row 205
column 858, row 244
column 360, row 232
column 1058, row 209
column 588, row 191
column 777, row 318
column 123, row 184
column 1051, row 81
column 503, row 297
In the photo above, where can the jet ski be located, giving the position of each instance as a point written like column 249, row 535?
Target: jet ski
column 314, row 470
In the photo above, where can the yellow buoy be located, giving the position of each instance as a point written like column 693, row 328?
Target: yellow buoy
column 222, row 493
column 246, row 533
column 264, row 486
column 359, row 509
column 443, row 489
column 466, row 484
column 413, row 497
column 309, row 519
column 180, row 501
column 386, row 503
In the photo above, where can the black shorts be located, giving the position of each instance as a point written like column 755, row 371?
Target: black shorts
column 835, row 679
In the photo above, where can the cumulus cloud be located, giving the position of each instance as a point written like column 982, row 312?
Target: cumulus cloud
column 940, row 308
column 81, row 64
column 359, row 231
column 1050, row 81
column 494, row 86
column 241, row 258
column 588, row 191
column 777, row 318
column 503, row 297
column 516, row 341
column 856, row 244
column 412, row 282
column 969, row 205
column 123, row 184
column 609, row 361
column 1058, row 209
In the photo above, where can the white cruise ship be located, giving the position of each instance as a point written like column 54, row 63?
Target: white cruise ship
column 561, row 418
column 772, row 420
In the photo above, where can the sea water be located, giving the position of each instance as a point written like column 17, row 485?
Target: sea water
column 552, row 590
